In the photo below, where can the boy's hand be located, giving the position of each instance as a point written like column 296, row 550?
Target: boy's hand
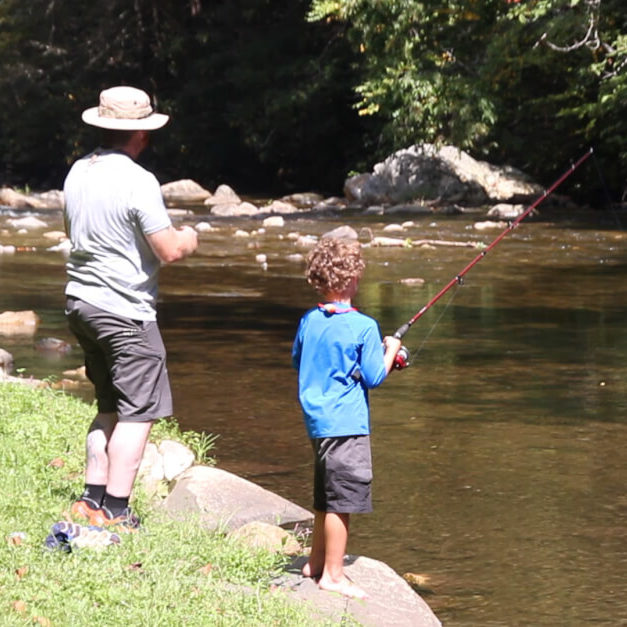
column 391, row 345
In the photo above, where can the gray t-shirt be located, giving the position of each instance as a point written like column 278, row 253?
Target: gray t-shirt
column 111, row 204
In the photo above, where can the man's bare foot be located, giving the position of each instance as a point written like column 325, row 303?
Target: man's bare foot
column 345, row 587
column 309, row 571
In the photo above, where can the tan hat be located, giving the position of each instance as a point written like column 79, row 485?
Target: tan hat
column 124, row 109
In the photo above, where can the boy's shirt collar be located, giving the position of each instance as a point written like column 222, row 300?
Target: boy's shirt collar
column 335, row 308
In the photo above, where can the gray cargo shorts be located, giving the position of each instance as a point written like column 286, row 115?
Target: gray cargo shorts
column 125, row 360
column 342, row 474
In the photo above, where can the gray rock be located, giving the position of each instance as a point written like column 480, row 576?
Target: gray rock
column 342, row 232
column 224, row 500
column 391, row 600
column 6, row 363
column 230, row 210
column 184, row 191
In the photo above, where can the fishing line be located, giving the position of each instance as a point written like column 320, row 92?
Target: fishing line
column 403, row 357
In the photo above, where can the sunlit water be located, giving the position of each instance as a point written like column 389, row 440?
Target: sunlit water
column 499, row 458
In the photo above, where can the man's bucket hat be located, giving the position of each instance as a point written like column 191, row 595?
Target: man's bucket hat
column 124, row 109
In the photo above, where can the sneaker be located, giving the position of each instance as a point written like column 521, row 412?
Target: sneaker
column 84, row 509
column 126, row 521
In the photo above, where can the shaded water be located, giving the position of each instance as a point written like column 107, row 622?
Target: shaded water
column 499, row 455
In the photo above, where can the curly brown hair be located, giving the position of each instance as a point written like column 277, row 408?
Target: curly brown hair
column 333, row 263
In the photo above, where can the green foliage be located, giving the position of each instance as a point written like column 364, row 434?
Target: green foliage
column 527, row 83
column 177, row 573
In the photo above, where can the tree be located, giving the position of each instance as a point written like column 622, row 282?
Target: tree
column 529, row 83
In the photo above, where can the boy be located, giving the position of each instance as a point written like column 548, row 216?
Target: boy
column 339, row 355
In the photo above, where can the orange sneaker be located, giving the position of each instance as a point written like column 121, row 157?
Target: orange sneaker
column 84, row 510
column 126, row 521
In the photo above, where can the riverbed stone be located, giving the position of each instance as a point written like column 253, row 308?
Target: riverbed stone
column 28, row 223
column 177, row 458
column 11, row 198
column 391, row 601
column 6, row 363
column 224, row 195
column 224, row 500
column 342, row 232
column 18, row 322
column 231, row 210
column 506, row 211
column 184, row 191
column 261, row 535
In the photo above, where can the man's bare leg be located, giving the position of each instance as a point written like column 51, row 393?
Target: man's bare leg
column 125, row 451
column 97, row 465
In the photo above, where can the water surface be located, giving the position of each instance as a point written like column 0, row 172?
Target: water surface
column 499, row 454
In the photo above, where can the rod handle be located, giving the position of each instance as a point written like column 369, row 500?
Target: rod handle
column 398, row 334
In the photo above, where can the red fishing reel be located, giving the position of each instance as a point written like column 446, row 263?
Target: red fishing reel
column 402, row 358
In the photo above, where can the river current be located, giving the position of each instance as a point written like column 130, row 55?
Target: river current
column 499, row 455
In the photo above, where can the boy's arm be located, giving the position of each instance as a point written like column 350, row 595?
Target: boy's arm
column 391, row 345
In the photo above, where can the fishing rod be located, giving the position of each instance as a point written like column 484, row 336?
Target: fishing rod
column 402, row 359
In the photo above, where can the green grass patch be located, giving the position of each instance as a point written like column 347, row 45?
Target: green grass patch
column 170, row 573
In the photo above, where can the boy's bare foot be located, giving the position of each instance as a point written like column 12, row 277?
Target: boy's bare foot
column 309, row 571
column 345, row 586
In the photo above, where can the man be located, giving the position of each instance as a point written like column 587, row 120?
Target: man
column 120, row 231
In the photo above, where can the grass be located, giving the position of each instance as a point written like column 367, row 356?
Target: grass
column 171, row 573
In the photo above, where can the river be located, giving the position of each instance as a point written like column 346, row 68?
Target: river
column 499, row 455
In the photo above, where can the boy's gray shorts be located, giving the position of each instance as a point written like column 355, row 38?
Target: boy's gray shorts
column 125, row 360
column 342, row 474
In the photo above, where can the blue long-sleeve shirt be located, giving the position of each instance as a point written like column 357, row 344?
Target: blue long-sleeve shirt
column 339, row 356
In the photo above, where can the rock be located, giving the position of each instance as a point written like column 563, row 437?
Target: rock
column 274, row 221
column 234, row 210
column 504, row 211
column 184, row 191
column 28, row 223
column 204, row 227
column 303, row 199
column 223, row 195
column 62, row 247
column 295, row 257
column 413, row 281
column 260, row 535
column 241, row 233
column 7, row 250
column 180, row 213
column 52, row 199
column 78, row 373
column 224, row 500
column 53, row 345
column 391, row 601
column 55, row 235
column 342, row 232
column 441, row 175
column 306, row 241
column 177, row 458
column 151, row 472
column 278, row 206
column 6, row 363
column 18, row 322
column 488, row 224
column 10, row 198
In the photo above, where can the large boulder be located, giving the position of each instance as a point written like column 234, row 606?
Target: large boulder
column 442, row 175
column 222, row 500
column 391, row 600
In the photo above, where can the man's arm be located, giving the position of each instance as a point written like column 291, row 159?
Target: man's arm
column 173, row 244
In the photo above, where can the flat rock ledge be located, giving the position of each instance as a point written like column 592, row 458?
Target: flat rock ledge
column 391, row 600
column 225, row 502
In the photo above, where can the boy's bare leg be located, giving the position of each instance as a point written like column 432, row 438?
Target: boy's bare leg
column 97, row 464
column 315, row 563
column 333, row 577
column 125, row 451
